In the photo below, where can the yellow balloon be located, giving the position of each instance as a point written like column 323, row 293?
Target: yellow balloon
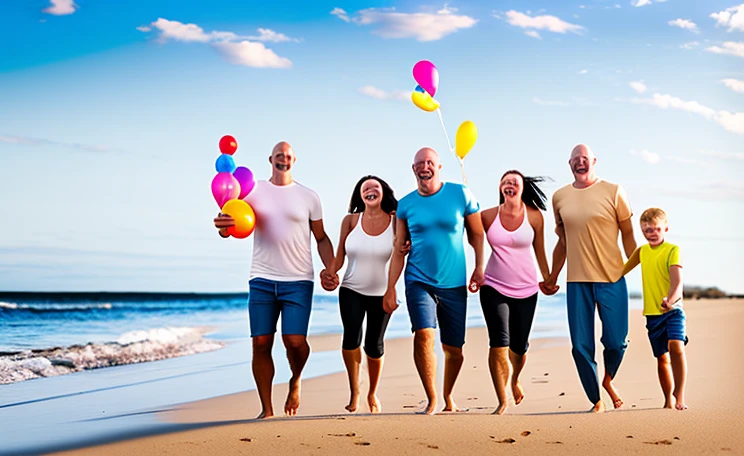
column 467, row 134
column 424, row 101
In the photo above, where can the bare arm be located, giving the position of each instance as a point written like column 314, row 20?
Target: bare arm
column 474, row 228
column 325, row 246
column 341, row 249
column 629, row 242
column 559, row 255
column 633, row 261
column 538, row 225
column 389, row 301
column 675, row 286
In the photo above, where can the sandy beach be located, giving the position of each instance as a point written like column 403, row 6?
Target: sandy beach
column 552, row 418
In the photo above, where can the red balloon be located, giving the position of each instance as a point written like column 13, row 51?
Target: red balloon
column 228, row 145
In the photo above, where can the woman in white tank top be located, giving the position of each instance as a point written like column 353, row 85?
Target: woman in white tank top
column 367, row 241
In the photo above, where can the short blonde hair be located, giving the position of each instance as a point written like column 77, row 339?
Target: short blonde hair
column 653, row 214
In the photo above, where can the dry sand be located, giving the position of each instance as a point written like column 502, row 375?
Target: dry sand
column 552, row 417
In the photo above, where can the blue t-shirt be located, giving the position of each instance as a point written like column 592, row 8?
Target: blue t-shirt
column 436, row 223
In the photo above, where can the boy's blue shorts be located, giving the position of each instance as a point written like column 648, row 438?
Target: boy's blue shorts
column 428, row 304
column 268, row 298
column 663, row 328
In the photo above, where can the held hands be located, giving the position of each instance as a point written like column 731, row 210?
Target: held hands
column 390, row 301
column 665, row 306
column 329, row 281
column 405, row 248
column 476, row 280
column 549, row 287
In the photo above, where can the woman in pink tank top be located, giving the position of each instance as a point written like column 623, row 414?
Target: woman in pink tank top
column 508, row 296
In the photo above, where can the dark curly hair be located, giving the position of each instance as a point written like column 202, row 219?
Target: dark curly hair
column 388, row 204
column 532, row 195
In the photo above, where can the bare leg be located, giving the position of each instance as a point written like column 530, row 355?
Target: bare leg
column 453, row 360
column 263, row 372
column 664, row 368
column 426, row 365
column 679, row 369
column 297, row 353
column 498, row 365
column 617, row 401
column 599, row 407
column 517, row 362
column 374, row 366
column 353, row 362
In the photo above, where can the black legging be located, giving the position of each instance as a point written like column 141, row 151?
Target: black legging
column 353, row 308
column 509, row 320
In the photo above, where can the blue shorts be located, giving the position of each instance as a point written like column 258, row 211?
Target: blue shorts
column 428, row 304
column 665, row 327
column 268, row 298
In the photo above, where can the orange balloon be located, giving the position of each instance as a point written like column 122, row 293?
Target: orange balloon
column 245, row 218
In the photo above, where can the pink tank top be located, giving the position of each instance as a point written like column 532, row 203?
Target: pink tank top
column 511, row 268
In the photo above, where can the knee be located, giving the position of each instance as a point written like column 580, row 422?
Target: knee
column 423, row 338
column 294, row 342
column 676, row 347
column 263, row 344
column 374, row 351
column 452, row 352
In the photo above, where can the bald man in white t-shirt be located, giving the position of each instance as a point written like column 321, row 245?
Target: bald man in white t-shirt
column 281, row 279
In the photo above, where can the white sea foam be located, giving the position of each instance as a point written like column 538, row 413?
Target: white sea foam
column 132, row 347
column 8, row 305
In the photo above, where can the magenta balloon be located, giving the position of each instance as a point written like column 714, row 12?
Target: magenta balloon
column 245, row 179
column 427, row 76
column 224, row 188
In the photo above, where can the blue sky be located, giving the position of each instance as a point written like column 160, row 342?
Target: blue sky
column 110, row 115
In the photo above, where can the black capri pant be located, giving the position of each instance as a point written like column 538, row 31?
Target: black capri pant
column 509, row 320
column 353, row 307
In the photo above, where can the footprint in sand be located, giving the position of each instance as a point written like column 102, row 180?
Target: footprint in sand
column 348, row 434
column 506, row 440
column 526, row 433
column 362, row 443
column 660, row 442
column 245, row 439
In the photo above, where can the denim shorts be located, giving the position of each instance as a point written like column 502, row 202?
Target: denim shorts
column 665, row 327
column 269, row 298
column 428, row 304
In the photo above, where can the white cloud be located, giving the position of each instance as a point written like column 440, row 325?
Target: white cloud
column 61, row 7
column 341, row 14
column 649, row 157
column 420, row 26
column 144, row 28
column 380, row 94
column 533, row 34
column 723, row 155
column 691, row 45
column 638, row 3
column 541, row 102
column 736, row 85
column 638, row 86
column 235, row 49
column 733, row 18
column 251, row 54
column 685, row 24
column 271, row 36
column 733, row 122
column 729, row 48
column 584, row 71
column 545, row 22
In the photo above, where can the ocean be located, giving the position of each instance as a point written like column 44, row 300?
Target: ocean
column 81, row 368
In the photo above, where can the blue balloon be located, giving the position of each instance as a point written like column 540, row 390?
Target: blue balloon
column 225, row 164
column 419, row 89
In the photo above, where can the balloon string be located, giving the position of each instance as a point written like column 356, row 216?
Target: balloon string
column 462, row 169
column 441, row 121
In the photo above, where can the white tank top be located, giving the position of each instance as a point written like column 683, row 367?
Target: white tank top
column 368, row 258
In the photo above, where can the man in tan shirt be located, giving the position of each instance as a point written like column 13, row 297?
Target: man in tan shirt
column 589, row 214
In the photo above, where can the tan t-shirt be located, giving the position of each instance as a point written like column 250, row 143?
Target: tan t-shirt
column 591, row 217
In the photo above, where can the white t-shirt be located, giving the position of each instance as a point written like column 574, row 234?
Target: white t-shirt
column 281, row 245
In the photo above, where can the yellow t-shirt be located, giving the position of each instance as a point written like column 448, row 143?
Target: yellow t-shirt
column 590, row 217
column 655, row 264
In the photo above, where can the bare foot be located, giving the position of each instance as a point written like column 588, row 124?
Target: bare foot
column 599, row 407
column 429, row 409
column 374, row 404
column 668, row 403
column 293, row 398
column 680, row 406
column 617, row 401
column 353, row 402
column 265, row 414
column 450, row 406
column 499, row 410
column 517, row 391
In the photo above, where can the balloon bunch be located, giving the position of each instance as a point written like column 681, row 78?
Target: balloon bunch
column 427, row 77
column 230, row 186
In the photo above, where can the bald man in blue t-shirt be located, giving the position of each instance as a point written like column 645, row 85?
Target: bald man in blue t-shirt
column 434, row 217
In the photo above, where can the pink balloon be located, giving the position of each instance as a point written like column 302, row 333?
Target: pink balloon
column 224, row 188
column 427, row 76
column 245, row 179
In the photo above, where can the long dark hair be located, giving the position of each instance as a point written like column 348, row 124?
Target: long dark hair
column 388, row 203
column 532, row 195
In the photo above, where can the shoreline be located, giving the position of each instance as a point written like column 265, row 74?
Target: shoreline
column 551, row 418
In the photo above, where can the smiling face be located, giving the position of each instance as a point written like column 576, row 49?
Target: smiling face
column 511, row 187
column 426, row 168
column 371, row 192
column 582, row 163
column 282, row 158
column 654, row 231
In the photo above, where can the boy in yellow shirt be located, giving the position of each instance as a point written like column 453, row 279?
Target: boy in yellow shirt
column 661, row 271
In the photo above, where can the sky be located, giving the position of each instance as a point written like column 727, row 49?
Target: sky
column 111, row 114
